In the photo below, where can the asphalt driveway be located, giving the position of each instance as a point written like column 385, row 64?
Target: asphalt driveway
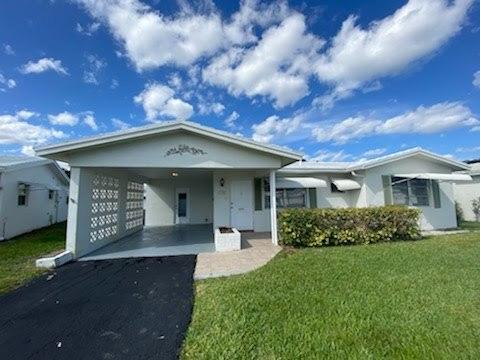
column 110, row 309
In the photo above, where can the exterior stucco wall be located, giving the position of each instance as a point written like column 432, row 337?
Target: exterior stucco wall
column 40, row 211
column 159, row 203
column 465, row 193
column 160, row 200
column 431, row 218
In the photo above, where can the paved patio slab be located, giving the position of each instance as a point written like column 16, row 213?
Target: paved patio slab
column 159, row 241
column 257, row 250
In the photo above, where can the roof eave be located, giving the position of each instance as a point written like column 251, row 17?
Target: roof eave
column 81, row 144
column 436, row 157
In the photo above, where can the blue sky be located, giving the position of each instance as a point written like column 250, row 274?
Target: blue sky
column 339, row 81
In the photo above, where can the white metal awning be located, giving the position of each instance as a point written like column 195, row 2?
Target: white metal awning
column 346, row 184
column 300, row 182
column 435, row 176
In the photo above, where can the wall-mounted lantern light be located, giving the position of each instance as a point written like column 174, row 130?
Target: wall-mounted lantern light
column 174, row 174
column 222, row 182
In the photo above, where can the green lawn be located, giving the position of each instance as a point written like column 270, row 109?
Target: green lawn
column 470, row 225
column 18, row 255
column 393, row 300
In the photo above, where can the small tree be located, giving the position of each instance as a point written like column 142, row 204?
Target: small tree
column 459, row 213
column 476, row 208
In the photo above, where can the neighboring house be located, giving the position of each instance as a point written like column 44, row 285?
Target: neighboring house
column 467, row 192
column 33, row 194
column 198, row 175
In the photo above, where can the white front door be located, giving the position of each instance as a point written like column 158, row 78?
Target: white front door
column 241, row 196
column 182, row 206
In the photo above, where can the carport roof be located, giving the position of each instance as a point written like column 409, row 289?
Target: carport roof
column 164, row 127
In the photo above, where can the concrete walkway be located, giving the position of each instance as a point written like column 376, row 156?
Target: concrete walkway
column 257, row 250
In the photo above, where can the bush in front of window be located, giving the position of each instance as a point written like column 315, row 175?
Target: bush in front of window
column 325, row 227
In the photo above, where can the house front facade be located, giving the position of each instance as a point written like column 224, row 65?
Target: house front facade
column 33, row 194
column 194, row 177
column 181, row 181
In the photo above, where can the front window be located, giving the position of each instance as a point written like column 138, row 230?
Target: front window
column 286, row 198
column 413, row 192
column 22, row 195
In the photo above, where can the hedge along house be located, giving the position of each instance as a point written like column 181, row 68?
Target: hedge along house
column 195, row 178
column 413, row 177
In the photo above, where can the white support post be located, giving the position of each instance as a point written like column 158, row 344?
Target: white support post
column 78, row 222
column 273, row 207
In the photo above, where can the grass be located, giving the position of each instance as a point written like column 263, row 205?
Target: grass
column 404, row 300
column 18, row 255
column 470, row 225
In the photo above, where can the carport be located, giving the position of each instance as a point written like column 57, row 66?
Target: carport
column 159, row 241
column 162, row 189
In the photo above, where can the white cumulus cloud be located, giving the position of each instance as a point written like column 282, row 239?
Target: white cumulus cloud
column 119, row 124
column 476, row 79
column 64, row 118
column 422, row 120
column 28, row 150
column 374, row 152
column 231, row 120
column 276, row 68
column 328, row 155
column 151, row 39
column 92, row 68
column 158, row 102
column 89, row 120
column 42, row 65
column 8, row 49
column 9, row 83
column 88, row 29
column 206, row 108
column 15, row 129
column 358, row 56
column 274, row 126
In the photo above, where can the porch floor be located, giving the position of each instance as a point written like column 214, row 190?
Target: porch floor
column 159, row 241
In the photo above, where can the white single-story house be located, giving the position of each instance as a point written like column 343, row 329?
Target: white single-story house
column 33, row 194
column 180, row 181
column 465, row 193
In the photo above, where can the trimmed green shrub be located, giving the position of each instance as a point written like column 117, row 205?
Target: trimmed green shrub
column 323, row 227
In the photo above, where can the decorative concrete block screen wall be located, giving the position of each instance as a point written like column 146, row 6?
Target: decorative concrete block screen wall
column 104, row 208
column 110, row 208
column 134, row 214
